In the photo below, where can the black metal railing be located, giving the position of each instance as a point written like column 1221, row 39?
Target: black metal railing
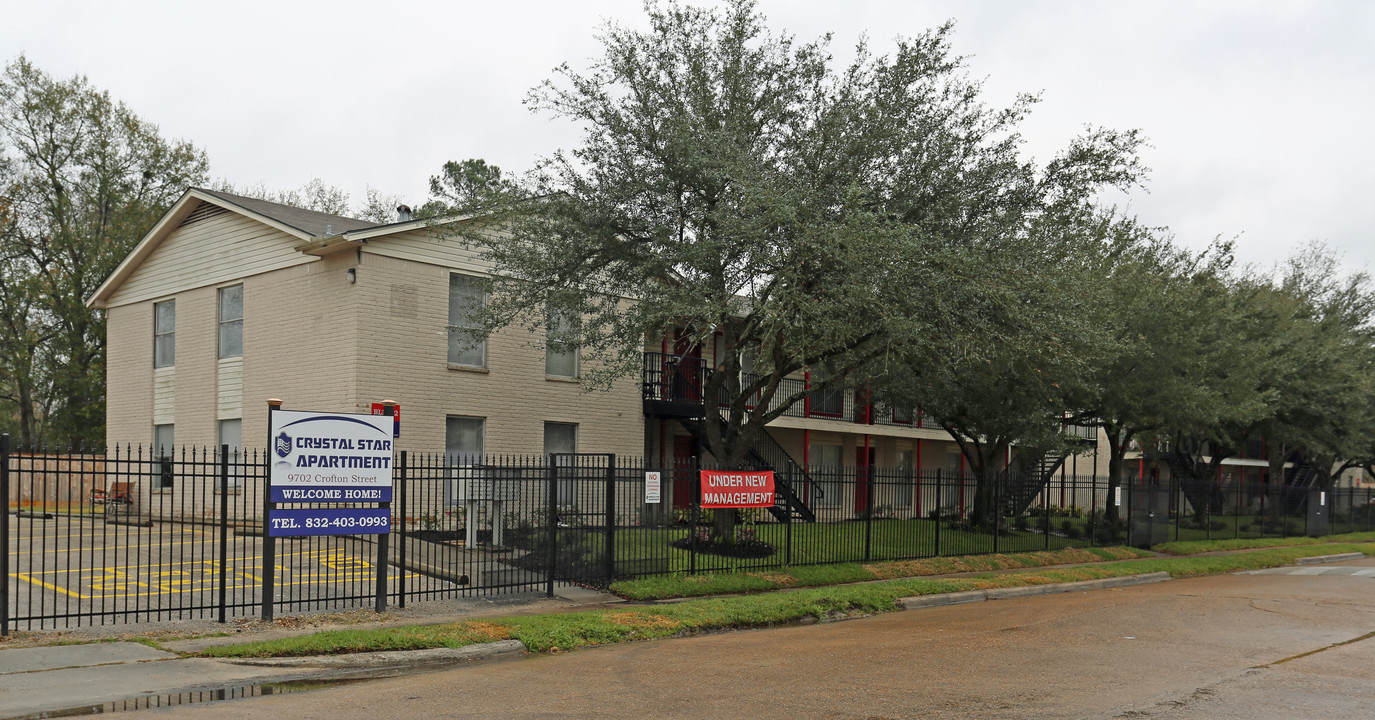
column 98, row 539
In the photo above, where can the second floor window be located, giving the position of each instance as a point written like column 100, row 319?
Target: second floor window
column 560, row 357
column 231, row 321
column 165, row 334
column 467, row 343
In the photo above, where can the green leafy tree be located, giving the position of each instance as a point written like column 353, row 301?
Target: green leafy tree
column 1158, row 311
column 87, row 178
column 1321, row 409
column 465, row 186
column 733, row 186
column 995, row 398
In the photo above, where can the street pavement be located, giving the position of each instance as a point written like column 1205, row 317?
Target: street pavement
column 1261, row 645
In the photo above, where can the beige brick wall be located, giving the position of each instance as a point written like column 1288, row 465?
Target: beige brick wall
column 299, row 336
column 197, row 346
column 129, row 375
column 403, row 341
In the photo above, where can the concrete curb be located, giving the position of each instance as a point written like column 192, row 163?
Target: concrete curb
column 968, row 596
column 394, row 658
column 1317, row 559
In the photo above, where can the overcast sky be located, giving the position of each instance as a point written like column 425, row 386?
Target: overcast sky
column 1259, row 113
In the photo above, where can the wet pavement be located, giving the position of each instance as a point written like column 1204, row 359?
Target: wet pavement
column 1252, row 646
column 1278, row 644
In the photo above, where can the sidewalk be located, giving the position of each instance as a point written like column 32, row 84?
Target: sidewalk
column 100, row 676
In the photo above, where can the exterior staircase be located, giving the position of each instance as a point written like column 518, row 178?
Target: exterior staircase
column 1028, row 480
column 767, row 454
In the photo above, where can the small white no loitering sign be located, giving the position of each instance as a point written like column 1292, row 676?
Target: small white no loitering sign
column 653, row 487
column 1117, row 498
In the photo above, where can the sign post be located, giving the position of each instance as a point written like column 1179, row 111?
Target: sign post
column 269, row 540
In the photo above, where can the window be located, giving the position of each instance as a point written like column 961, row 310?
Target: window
column 463, row 439
column 560, row 358
column 231, row 321
column 902, row 415
column 467, row 343
column 826, row 474
column 231, row 434
column 829, row 402
column 164, row 334
column 903, row 497
column 164, row 450
column 563, row 438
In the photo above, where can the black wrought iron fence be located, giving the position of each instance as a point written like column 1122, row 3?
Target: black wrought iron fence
column 130, row 536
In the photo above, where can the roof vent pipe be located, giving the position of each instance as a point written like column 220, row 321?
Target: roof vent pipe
column 403, row 213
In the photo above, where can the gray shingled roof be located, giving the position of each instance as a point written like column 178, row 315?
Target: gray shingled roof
column 307, row 221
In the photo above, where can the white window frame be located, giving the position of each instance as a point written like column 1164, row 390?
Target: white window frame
column 555, row 352
column 165, row 337
column 164, row 452
column 232, row 325
column 464, row 329
column 235, row 449
column 567, row 485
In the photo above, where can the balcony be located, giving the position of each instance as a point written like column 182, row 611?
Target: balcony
column 673, row 384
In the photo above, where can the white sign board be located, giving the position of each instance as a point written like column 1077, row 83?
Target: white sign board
column 653, row 487
column 1117, row 499
column 330, row 457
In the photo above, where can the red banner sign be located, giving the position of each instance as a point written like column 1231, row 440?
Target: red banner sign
column 737, row 489
column 380, row 409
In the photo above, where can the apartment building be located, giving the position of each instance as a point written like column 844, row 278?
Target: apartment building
column 229, row 301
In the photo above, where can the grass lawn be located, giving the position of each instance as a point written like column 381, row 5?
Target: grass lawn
column 1202, row 546
column 650, row 550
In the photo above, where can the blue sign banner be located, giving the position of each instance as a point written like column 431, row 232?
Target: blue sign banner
column 330, row 493
column 329, row 521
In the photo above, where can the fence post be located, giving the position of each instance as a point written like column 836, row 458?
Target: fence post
column 5, row 534
column 610, row 517
column 940, row 496
column 384, row 539
column 788, row 517
column 997, row 507
column 695, row 515
column 401, row 549
column 1045, row 509
column 1236, row 513
column 224, row 531
column 551, row 499
column 1131, row 502
column 269, row 542
column 869, row 509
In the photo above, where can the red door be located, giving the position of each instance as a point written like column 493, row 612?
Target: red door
column 864, row 459
column 684, row 471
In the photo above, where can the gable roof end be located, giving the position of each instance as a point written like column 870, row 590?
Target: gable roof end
column 302, row 224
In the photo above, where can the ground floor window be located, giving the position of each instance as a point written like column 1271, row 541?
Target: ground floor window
column 230, row 433
column 164, row 449
column 827, row 473
column 902, row 497
column 563, row 438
